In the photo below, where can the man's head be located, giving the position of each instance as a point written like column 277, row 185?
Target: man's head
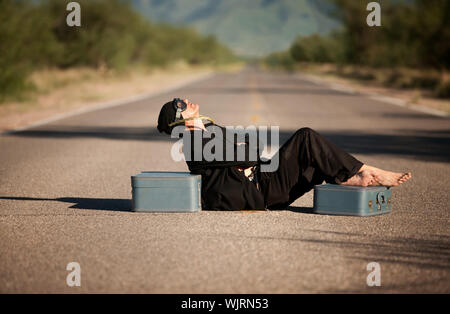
column 168, row 113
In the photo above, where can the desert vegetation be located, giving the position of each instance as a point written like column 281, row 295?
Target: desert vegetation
column 411, row 48
column 34, row 37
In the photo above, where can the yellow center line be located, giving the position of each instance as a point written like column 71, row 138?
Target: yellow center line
column 256, row 100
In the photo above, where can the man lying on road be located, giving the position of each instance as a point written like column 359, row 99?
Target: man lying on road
column 305, row 160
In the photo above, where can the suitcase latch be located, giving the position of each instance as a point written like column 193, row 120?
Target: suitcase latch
column 381, row 199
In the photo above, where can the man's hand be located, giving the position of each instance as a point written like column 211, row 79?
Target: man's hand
column 247, row 171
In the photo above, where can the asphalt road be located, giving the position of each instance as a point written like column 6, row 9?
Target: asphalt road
column 65, row 197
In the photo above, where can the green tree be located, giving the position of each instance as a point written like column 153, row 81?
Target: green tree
column 34, row 34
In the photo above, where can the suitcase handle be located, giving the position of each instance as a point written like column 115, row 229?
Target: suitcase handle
column 381, row 200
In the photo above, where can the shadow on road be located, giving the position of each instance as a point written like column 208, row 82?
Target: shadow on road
column 422, row 145
column 301, row 210
column 431, row 252
column 112, row 204
column 110, row 133
column 83, row 203
column 409, row 115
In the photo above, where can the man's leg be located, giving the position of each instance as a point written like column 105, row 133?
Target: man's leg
column 305, row 160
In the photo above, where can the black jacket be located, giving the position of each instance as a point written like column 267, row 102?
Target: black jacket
column 224, row 187
column 305, row 160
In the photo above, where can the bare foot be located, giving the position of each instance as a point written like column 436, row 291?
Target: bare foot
column 371, row 176
column 362, row 178
column 387, row 178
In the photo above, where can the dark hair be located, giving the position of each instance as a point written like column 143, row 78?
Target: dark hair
column 166, row 117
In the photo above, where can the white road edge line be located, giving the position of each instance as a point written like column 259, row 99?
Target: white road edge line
column 376, row 96
column 109, row 104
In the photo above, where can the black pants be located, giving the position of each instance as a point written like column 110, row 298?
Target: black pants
column 305, row 160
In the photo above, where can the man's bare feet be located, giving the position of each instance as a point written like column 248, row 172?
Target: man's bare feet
column 371, row 176
column 362, row 178
column 388, row 178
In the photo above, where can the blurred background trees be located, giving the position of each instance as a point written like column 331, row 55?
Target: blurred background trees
column 34, row 35
column 415, row 34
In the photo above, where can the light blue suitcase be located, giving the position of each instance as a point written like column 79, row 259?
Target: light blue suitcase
column 333, row 199
column 166, row 192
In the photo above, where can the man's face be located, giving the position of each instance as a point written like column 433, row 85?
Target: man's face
column 192, row 110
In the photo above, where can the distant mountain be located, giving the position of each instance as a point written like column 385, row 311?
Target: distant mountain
column 249, row 27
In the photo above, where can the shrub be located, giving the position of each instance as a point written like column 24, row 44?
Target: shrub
column 443, row 90
column 34, row 34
